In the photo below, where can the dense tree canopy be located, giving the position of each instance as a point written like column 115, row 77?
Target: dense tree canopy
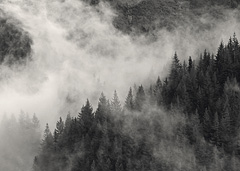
column 15, row 44
column 147, row 16
column 190, row 121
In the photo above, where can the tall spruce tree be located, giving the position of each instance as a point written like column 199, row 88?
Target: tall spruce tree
column 129, row 103
column 86, row 118
column 140, row 98
column 116, row 104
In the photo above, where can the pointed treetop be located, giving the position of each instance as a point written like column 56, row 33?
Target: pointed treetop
column 86, row 110
column 140, row 98
column 115, row 96
column 129, row 104
column 87, row 103
column 115, row 103
column 35, row 121
column 175, row 58
column 190, row 64
column 47, row 131
column 102, row 99
column 159, row 82
column 59, row 126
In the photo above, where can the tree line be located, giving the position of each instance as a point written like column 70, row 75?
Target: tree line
column 187, row 121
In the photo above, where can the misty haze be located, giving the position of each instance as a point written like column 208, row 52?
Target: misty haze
column 119, row 85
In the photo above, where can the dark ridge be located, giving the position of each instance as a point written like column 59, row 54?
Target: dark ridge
column 15, row 43
column 148, row 16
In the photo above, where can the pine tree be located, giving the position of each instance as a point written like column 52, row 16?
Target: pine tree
column 175, row 77
column 140, row 98
column 175, row 69
column 86, row 118
column 67, row 123
column 35, row 122
column 115, row 104
column 129, row 103
column 59, row 129
column 158, row 92
column 152, row 97
column 48, row 139
column 190, row 64
column 103, row 110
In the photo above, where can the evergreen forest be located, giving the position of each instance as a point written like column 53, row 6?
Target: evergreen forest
column 187, row 121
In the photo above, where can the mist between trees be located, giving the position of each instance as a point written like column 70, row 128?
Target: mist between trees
column 20, row 141
column 188, row 121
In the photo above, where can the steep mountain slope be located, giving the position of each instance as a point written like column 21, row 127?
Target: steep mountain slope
column 197, row 130
column 147, row 16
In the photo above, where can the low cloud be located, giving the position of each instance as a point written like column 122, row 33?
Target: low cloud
column 78, row 53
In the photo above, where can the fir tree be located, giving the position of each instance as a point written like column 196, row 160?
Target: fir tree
column 129, row 103
column 86, row 118
column 115, row 104
column 140, row 98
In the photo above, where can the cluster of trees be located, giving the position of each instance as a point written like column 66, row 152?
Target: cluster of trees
column 210, row 90
column 15, row 44
column 95, row 141
column 134, row 137
column 20, row 142
column 197, row 127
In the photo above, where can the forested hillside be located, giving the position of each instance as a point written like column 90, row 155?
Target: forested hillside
column 187, row 121
column 15, row 43
column 148, row 16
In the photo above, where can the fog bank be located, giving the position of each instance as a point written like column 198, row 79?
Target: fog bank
column 78, row 53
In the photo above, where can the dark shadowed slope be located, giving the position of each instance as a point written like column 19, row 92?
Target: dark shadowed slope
column 15, row 43
column 148, row 16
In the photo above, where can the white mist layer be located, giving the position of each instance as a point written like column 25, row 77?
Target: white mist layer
column 77, row 54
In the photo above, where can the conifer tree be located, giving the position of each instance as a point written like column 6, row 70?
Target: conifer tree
column 86, row 118
column 102, row 110
column 48, row 138
column 140, row 98
column 158, row 92
column 190, row 64
column 60, row 126
column 67, row 122
column 129, row 103
column 115, row 104
column 35, row 122
column 151, row 96
column 175, row 69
